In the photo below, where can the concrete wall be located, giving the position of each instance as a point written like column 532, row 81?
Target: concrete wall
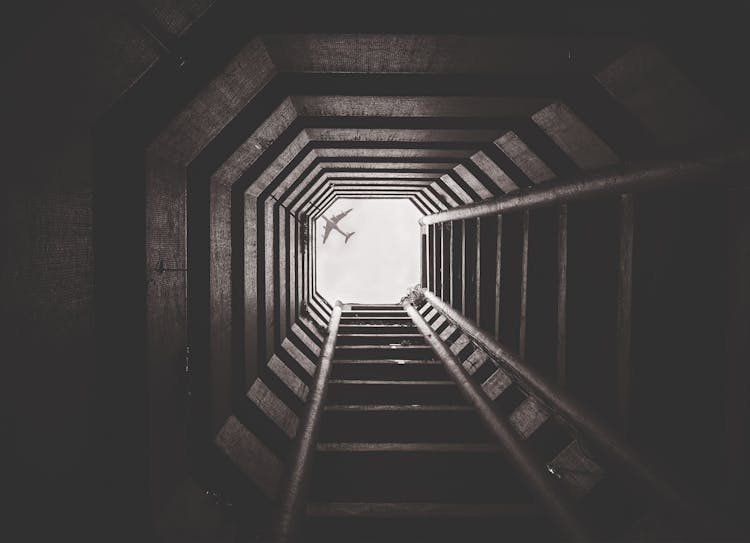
column 74, row 392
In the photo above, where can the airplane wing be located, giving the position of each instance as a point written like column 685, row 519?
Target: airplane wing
column 327, row 231
column 337, row 218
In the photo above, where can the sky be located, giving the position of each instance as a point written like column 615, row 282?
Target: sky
column 380, row 261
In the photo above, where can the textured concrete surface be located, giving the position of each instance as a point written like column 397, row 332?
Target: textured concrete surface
column 658, row 93
column 578, row 141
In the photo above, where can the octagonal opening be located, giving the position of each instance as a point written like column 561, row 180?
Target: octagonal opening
column 379, row 262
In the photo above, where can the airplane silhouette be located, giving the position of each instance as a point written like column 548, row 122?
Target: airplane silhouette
column 332, row 224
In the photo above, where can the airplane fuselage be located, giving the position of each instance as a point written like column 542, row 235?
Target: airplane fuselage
column 334, row 226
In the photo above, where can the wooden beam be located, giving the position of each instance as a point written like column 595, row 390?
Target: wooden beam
column 446, row 263
column 280, row 266
column 450, row 265
column 562, row 292
column 456, row 265
column 306, row 241
column 251, row 456
column 431, row 257
column 524, row 283
column 439, row 259
column 436, row 258
column 464, row 269
column 498, row 274
column 423, row 256
column 478, row 270
column 411, row 510
column 249, row 298
column 624, row 308
column 291, row 273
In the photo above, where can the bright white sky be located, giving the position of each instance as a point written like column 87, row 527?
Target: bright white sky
column 380, row 262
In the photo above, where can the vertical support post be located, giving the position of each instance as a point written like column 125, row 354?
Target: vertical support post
column 423, row 260
column 562, row 292
column 524, row 283
column 268, row 274
column 314, row 267
column 438, row 260
column 498, row 274
column 299, row 251
column 478, row 270
column 439, row 233
column 456, row 265
column 280, row 264
column 431, row 259
column 470, row 267
column 448, row 248
column 624, row 308
column 464, row 269
column 291, row 270
column 296, row 484
column 445, row 249
column 245, row 284
column 304, row 256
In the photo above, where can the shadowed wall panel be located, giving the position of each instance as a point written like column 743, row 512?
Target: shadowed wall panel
column 510, row 280
column 737, row 404
column 438, row 240
column 487, row 241
column 593, row 234
column 457, row 260
column 541, row 328
column 447, row 262
column 679, row 329
column 424, row 259
column 432, row 263
column 470, row 229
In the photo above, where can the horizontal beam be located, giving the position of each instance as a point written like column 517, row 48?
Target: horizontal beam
column 381, row 182
column 373, row 197
column 375, row 188
column 614, row 180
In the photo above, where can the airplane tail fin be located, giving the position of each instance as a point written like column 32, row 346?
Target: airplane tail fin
column 347, row 236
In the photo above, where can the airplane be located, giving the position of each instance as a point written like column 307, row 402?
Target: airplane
column 332, row 224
